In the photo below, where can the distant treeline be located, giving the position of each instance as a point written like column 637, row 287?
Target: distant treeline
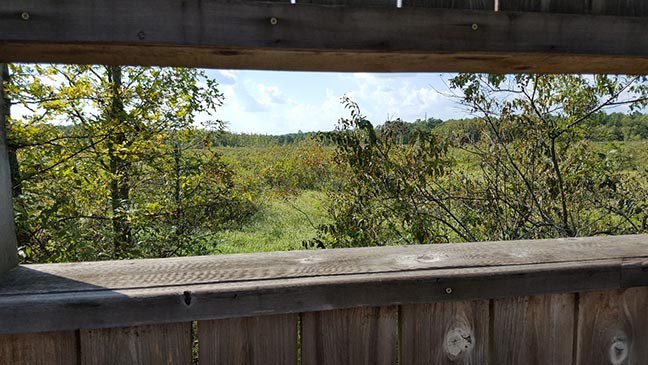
column 601, row 127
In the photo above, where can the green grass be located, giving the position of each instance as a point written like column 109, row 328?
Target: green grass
column 281, row 224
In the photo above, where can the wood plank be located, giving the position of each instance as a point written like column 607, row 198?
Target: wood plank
column 8, row 249
column 301, row 60
column 249, row 340
column 133, row 274
column 50, row 348
column 219, row 33
column 600, row 7
column 156, row 344
column 533, row 330
column 613, row 327
column 356, row 3
column 448, row 332
column 367, row 335
column 451, row 4
column 95, row 307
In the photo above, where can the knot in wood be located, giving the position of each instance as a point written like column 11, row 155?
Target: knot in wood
column 618, row 351
column 458, row 341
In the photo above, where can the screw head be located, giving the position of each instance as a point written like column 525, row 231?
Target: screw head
column 274, row 21
column 474, row 26
column 448, row 290
column 25, row 15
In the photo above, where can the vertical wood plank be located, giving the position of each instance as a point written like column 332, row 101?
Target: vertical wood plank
column 533, row 330
column 8, row 248
column 48, row 348
column 249, row 340
column 367, row 335
column 445, row 333
column 156, row 344
column 613, row 327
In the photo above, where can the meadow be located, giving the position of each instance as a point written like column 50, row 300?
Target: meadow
column 291, row 185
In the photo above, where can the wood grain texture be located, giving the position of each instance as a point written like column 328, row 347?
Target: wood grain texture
column 50, row 348
column 533, row 330
column 451, row 4
column 220, row 33
column 350, row 336
column 8, row 248
column 157, row 344
column 249, row 340
column 71, row 296
column 600, row 7
column 449, row 332
column 135, row 274
column 613, row 327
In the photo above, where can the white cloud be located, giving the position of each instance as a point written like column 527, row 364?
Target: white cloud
column 277, row 103
column 270, row 95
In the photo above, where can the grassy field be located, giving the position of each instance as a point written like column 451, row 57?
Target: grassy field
column 288, row 215
column 282, row 223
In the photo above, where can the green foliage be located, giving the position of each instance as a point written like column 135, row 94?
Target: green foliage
column 389, row 195
column 112, row 165
column 538, row 174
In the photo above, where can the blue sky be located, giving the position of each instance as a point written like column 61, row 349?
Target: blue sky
column 275, row 102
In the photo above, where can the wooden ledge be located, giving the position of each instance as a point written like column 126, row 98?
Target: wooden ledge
column 315, row 37
column 51, row 297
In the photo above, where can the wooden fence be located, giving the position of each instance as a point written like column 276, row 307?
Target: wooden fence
column 563, row 301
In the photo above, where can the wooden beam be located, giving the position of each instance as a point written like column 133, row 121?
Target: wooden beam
column 8, row 253
column 53, row 297
column 273, row 35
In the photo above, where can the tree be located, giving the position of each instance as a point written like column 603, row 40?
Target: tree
column 94, row 151
column 535, row 174
column 543, row 177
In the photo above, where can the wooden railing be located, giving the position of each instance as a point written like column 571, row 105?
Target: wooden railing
column 562, row 301
column 558, row 36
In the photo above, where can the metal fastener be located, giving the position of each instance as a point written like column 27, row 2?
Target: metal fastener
column 141, row 35
column 274, row 21
column 24, row 15
column 475, row 26
column 448, row 290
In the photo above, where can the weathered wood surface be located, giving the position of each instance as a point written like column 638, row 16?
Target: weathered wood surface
column 157, row 344
column 274, row 35
column 50, row 348
column 613, row 327
column 148, row 273
column 249, row 340
column 449, row 332
column 128, row 293
column 8, row 254
column 367, row 335
column 636, row 8
column 451, row 4
column 533, row 330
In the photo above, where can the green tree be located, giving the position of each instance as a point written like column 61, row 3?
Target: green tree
column 94, row 149
column 536, row 176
